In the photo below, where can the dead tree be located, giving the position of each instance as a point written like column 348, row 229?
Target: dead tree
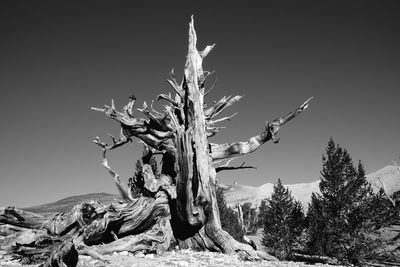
column 180, row 203
column 181, row 135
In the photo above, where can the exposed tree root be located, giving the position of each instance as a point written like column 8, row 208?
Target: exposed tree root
column 156, row 240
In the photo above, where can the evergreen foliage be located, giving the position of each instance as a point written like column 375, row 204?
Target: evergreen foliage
column 261, row 216
column 342, row 217
column 229, row 218
column 283, row 220
column 136, row 182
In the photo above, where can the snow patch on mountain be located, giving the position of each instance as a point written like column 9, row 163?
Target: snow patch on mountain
column 389, row 175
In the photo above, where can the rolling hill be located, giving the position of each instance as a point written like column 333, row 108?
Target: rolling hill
column 67, row 203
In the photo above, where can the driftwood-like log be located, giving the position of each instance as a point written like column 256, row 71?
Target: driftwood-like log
column 20, row 218
column 156, row 240
column 145, row 222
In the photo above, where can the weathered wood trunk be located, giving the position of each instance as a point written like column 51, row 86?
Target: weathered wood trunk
column 178, row 205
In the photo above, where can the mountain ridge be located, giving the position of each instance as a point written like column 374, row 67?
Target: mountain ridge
column 389, row 175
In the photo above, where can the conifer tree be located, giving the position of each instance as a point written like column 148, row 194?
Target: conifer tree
column 298, row 218
column 283, row 221
column 340, row 218
column 228, row 217
column 262, row 210
column 316, row 224
column 136, row 182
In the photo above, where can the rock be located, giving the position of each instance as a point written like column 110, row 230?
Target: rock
column 149, row 256
column 140, row 255
column 93, row 262
column 181, row 263
column 124, row 253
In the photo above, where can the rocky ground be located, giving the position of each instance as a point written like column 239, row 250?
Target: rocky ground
column 179, row 259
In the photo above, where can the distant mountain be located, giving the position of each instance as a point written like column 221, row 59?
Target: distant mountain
column 67, row 203
column 389, row 175
column 254, row 195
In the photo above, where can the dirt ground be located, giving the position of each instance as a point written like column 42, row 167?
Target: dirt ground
column 180, row 258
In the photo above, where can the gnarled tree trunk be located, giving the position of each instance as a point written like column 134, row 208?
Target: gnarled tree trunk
column 180, row 203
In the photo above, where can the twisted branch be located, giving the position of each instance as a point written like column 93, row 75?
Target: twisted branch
column 122, row 189
column 228, row 150
column 227, row 167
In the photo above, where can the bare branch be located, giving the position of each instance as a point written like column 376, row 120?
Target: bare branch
column 220, row 106
column 157, row 125
column 386, row 192
column 144, row 109
column 228, row 118
column 123, row 140
column 231, row 168
column 122, row 189
column 112, row 104
column 280, row 121
column 207, row 50
column 98, row 109
column 154, row 132
column 225, row 187
column 228, row 150
column 171, row 114
column 128, row 109
column 159, row 114
column 174, row 84
column 227, row 167
column 397, row 166
column 167, row 98
column 211, row 88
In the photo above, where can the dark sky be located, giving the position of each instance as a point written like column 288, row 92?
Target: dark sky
column 59, row 58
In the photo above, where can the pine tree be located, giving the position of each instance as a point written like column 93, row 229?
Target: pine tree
column 298, row 218
column 229, row 218
column 316, row 224
column 261, row 216
column 136, row 182
column 283, row 221
column 340, row 218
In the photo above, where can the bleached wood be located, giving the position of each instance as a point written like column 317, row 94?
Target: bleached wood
column 385, row 191
column 223, row 151
column 397, row 166
column 124, row 192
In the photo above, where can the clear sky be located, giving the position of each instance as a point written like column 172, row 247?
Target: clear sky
column 59, row 58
